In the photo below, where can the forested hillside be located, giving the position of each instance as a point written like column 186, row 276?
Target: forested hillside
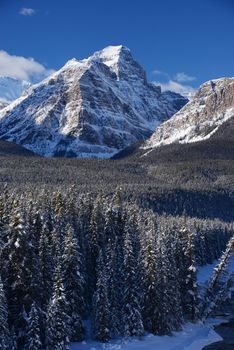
column 72, row 257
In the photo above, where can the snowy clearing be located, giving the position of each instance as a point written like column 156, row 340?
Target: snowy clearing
column 205, row 272
column 192, row 337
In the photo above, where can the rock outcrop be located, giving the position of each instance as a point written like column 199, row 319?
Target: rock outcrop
column 201, row 118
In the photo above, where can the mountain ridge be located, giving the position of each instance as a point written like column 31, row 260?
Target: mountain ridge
column 212, row 106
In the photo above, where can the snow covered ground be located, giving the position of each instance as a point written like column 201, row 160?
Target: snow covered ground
column 192, row 337
column 205, row 272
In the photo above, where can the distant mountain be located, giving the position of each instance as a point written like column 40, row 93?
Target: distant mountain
column 201, row 118
column 11, row 89
column 3, row 104
column 89, row 108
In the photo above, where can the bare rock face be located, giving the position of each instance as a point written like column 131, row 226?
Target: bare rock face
column 212, row 106
column 89, row 108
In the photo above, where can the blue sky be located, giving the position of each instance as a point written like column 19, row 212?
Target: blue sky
column 180, row 42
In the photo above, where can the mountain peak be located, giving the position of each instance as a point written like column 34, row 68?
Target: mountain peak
column 89, row 108
column 111, row 53
column 120, row 61
column 117, row 58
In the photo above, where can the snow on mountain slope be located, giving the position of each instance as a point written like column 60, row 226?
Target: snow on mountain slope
column 11, row 89
column 211, row 107
column 89, row 108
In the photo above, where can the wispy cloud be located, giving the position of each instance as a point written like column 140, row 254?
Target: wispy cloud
column 22, row 68
column 183, row 89
column 26, row 11
column 182, row 77
column 178, row 83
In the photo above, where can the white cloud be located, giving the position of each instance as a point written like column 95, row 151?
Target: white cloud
column 182, row 77
column 183, row 89
column 22, row 68
column 25, row 11
column 179, row 83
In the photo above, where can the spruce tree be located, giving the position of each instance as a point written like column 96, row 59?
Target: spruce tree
column 170, row 306
column 33, row 341
column 152, row 289
column 57, row 318
column 101, row 307
column 46, row 265
column 84, row 235
column 220, row 283
column 114, row 270
column 72, row 269
column 191, row 299
column 4, row 328
column 35, row 287
column 131, row 310
column 18, row 267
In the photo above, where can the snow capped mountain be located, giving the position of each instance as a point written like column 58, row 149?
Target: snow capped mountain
column 89, row 108
column 211, row 107
column 11, row 89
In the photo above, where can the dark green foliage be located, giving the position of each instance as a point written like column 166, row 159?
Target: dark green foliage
column 152, row 293
column 77, row 256
column 33, row 341
column 73, row 279
column 194, row 178
column 4, row 327
column 131, row 310
column 58, row 321
column 101, row 306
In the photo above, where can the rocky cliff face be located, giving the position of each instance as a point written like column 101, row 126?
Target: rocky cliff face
column 89, row 108
column 201, row 118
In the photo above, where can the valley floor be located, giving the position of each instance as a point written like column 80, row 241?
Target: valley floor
column 192, row 337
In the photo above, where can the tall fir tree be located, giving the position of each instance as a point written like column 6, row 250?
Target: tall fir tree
column 101, row 306
column 191, row 297
column 72, row 273
column 19, row 274
column 218, row 289
column 46, row 264
column 84, row 213
column 35, row 287
column 170, row 306
column 131, row 310
column 33, row 334
column 152, row 291
column 114, row 271
column 4, row 327
column 58, row 331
